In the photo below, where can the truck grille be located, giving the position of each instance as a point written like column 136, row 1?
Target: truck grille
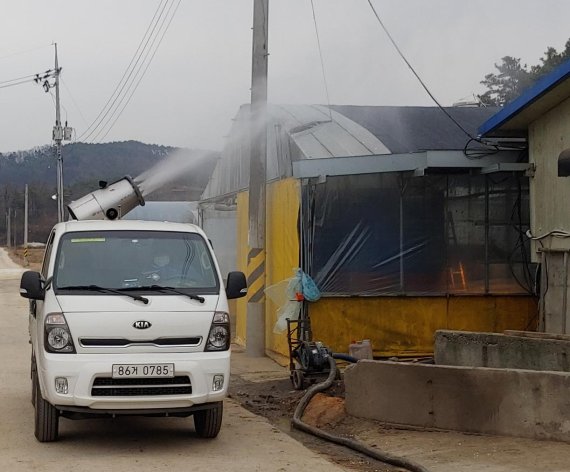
column 108, row 387
column 122, row 342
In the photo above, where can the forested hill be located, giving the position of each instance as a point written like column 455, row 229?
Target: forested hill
column 86, row 162
column 84, row 165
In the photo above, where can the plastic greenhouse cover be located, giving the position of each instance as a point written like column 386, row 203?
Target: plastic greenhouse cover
column 390, row 234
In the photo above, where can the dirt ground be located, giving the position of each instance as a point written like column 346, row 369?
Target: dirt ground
column 439, row 451
column 276, row 400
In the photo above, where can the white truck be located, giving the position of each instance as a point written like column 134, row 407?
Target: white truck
column 129, row 318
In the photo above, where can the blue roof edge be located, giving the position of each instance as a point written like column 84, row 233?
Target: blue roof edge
column 530, row 95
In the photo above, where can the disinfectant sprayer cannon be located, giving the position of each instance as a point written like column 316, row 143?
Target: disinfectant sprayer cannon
column 109, row 202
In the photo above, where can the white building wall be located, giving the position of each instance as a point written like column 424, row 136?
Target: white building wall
column 549, row 211
column 550, row 194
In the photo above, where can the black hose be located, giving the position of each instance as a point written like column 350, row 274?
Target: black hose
column 344, row 357
column 350, row 443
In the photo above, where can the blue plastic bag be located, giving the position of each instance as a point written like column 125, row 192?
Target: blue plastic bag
column 311, row 293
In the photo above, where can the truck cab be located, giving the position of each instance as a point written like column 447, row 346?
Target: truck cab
column 129, row 318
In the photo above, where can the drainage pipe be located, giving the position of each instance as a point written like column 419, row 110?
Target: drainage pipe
column 350, row 443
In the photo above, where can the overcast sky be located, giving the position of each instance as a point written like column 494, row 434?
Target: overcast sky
column 201, row 72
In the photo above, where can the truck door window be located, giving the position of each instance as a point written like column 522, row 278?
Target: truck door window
column 47, row 256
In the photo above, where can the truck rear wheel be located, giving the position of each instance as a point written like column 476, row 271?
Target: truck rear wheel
column 46, row 417
column 209, row 422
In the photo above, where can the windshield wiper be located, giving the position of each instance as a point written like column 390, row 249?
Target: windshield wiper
column 161, row 288
column 97, row 288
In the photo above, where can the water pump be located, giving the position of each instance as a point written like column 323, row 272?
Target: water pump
column 109, row 202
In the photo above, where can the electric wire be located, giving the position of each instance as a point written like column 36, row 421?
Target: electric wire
column 322, row 60
column 469, row 154
column 135, row 70
column 73, row 100
column 144, row 72
column 27, row 77
column 127, row 73
column 16, row 83
column 401, row 54
column 130, row 88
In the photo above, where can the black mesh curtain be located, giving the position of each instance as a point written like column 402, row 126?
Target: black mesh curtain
column 390, row 234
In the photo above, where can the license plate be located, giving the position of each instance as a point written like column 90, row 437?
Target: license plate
column 138, row 371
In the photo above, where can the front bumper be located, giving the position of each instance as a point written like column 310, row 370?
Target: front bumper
column 79, row 412
column 81, row 370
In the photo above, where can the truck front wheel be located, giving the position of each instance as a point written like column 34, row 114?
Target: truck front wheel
column 208, row 422
column 46, row 417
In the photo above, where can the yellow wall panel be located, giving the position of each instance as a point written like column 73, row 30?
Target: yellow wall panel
column 282, row 244
column 282, row 253
column 471, row 314
column 242, row 249
column 405, row 326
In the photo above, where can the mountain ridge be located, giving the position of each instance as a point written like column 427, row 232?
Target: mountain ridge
column 84, row 165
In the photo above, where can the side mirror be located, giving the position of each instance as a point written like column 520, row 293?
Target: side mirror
column 31, row 286
column 236, row 286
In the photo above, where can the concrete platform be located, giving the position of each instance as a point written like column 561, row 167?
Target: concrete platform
column 509, row 402
column 472, row 349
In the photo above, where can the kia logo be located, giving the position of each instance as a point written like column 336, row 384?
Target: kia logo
column 141, row 324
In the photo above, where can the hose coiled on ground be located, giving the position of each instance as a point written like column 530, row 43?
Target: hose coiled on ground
column 350, row 443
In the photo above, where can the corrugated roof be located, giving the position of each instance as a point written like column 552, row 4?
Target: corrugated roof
column 413, row 129
column 294, row 132
column 545, row 94
column 320, row 132
column 306, row 132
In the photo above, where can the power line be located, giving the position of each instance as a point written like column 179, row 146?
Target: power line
column 38, row 78
column 73, row 100
column 16, row 83
column 322, row 61
column 146, row 52
column 393, row 41
column 144, row 71
column 128, row 72
column 30, row 77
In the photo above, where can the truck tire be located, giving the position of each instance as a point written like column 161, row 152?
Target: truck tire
column 46, row 417
column 208, row 422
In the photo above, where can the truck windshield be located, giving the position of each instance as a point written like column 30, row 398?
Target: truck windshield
column 129, row 260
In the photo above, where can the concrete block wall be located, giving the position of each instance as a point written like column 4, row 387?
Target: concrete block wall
column 470, row 349
column 508, row 402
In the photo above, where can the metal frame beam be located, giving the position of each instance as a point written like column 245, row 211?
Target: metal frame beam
column 417, row 162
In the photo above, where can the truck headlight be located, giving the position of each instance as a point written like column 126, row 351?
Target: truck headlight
column 219, row 336
column 57, row 335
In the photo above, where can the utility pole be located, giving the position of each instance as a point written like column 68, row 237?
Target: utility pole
column 9, row 228
column 59, row 132
column 255, row 324
column 58, row 138
column 26, row 226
